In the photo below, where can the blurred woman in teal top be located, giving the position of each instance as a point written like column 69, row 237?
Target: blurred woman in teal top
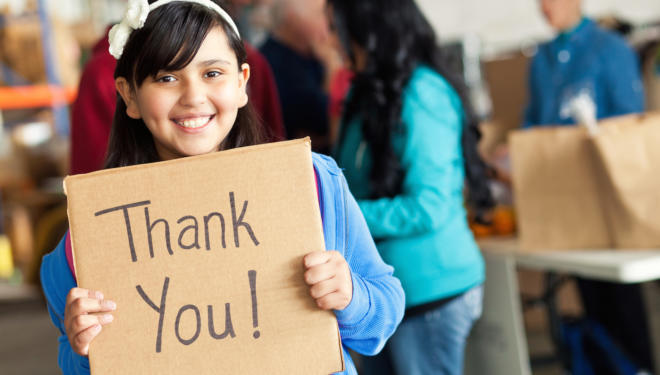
column 407, row 145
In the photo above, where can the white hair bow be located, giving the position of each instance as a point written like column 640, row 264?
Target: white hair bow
column 136, row 15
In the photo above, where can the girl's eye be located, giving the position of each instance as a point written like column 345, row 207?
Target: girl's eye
column 213, row 74
column 166, row 79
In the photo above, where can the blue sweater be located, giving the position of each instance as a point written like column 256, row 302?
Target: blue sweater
column 423, row 231
column 589, row 59
column 364, row 325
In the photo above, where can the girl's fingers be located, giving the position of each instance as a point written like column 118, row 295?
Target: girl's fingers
column 81, row 340
column 83, row 301
column 323, row 288
column 105, row 318
column 329, row 279
column 320, row 273
column 90, row 305
column 95, row 294
column 82, row 322
column 76, row 293
column 315, row 258
column 333, row 301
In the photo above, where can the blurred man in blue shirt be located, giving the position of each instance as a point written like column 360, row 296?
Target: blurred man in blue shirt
column 583, row 58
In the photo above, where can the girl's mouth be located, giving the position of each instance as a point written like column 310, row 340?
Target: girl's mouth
column 194, row 123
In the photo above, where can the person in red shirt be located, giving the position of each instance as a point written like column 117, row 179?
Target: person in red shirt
column 95, row 105
column 93, row 110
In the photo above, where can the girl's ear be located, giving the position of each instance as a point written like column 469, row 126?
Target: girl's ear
column 128, row 95
column 243, row 77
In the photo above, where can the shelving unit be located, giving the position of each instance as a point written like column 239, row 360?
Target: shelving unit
column 22, row 94
column 49, row 95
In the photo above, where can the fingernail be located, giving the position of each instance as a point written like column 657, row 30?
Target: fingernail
column 106, row 318
column 109, row 305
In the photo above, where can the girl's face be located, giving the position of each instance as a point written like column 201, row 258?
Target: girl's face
column 191, row 111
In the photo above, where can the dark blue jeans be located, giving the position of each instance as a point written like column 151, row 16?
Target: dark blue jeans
column 430, row 343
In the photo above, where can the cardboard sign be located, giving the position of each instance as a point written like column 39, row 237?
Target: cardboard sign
column 203, row 256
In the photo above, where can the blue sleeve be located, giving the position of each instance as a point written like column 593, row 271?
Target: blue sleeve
column 625, row 91
column 432, row 161
column 56, row 281
column 378, row 300
column 531, row 116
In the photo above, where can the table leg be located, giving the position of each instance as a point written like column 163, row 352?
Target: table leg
column 552, row 284
column 497, row 344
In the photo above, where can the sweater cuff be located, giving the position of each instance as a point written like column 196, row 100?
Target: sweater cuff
column 359, row 306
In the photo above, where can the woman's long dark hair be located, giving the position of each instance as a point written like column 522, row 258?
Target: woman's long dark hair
column 397, row 38
column 169, row 40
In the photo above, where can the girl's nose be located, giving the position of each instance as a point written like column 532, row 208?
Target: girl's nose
column 192, row 94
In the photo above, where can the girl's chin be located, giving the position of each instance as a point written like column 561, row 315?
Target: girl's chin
column 182, row 152
column 194, row 151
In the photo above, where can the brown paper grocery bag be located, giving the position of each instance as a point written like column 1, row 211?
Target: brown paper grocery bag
column 629, row 149
column 556, row 190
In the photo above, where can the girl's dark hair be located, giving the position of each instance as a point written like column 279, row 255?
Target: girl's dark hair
column 397, row 38
column 169, row 40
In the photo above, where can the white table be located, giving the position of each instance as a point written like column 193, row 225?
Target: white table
column 623, row 266
column 497, row 344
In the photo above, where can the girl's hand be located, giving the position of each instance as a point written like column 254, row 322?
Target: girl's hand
column 329, row 279
column 80, row 322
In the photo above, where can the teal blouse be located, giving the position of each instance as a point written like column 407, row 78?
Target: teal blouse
column 423, row 232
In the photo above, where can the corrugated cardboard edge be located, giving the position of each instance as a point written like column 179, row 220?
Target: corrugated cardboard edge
column 68, row 216
column 239, row 150
column 341, row 349
column 71, row 179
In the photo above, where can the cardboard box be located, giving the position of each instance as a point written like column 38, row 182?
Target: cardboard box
column 507, row 83
column 506, row 77
column 203, row 256
column 22, row 51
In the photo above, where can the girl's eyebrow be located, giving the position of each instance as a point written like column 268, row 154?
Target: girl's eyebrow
column 213, row 62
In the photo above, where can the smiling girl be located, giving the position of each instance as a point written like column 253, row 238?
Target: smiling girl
column 181, row 77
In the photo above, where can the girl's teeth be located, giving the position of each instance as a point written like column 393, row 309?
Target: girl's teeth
column 194, row 123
